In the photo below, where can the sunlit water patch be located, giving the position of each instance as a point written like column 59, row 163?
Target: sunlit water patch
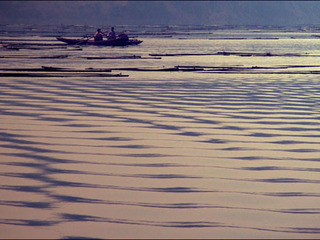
column 229, row 150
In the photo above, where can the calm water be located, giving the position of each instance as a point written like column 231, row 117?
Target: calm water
column 214, row 153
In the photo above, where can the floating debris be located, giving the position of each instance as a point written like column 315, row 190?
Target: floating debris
column 59, row 74
column 36, row 57
column 120, row 57
column 114, row 57
column 46, row 71
column 58, row 69
column 241, row 54
column 170, row 69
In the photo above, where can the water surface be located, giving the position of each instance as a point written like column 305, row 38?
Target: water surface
column 229, row 151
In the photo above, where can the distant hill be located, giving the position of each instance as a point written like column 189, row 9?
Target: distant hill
column 161, row 12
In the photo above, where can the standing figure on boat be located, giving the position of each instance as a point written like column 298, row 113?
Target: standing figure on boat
column 112, row 34
column 98, row 36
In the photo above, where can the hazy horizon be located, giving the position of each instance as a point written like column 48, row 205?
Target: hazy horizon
column 283, row 13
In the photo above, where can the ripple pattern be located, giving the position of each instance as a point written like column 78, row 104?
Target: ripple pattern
column 194, row 155
column 228, row 151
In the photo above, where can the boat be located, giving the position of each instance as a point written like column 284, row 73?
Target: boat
column 86, row 41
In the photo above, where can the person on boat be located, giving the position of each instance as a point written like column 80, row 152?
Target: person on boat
column 98, row 36
column 123, row 36
column 112, row 34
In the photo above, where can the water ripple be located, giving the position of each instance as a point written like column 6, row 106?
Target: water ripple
column 173, row 151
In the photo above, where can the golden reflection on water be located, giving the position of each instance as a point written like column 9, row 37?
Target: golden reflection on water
column 151, row 167
column 181, row 155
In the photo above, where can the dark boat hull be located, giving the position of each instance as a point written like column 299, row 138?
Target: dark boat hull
column 115, row 42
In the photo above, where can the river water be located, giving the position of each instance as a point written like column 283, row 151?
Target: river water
column 228, row 151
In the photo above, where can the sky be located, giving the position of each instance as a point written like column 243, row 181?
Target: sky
column 283, row 13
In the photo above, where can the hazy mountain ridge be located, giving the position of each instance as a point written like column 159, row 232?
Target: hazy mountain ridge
column 161, row 12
